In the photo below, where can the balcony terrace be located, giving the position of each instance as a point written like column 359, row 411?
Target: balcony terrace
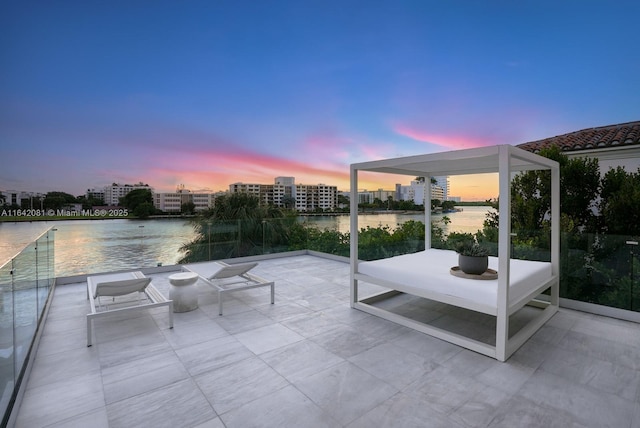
column 312, row 361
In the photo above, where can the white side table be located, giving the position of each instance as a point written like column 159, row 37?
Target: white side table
column 183, row 291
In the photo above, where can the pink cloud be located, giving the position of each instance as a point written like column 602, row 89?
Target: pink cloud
column 453, row 141
column 219, row 167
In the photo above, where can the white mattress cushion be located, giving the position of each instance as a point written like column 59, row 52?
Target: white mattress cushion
column 430, row 270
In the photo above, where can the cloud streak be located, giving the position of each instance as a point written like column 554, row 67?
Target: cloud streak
column 451, row 140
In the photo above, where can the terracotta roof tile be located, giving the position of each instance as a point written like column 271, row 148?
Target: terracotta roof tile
column 593, row 138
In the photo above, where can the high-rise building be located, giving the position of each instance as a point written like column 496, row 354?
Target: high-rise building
column 416, row 191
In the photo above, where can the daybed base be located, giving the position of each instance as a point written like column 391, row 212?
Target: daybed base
column 413, row 283
column 512, row 343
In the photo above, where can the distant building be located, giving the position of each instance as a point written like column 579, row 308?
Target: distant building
column 443, row 183
column 30, row 200
column 95, row 194
column 172, row 202
column 285, row 193
column 613, row 145
column 113, row 193
column 416, row 191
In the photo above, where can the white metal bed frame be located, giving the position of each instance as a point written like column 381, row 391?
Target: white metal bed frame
column 505, row 160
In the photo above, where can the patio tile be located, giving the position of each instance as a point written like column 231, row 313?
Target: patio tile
column 54, row 402
column 345, row 341
column 243, row 321
column 444, row 389
column 140, row 376
column 131, row 347
column 602, row 348
column 94, row 419
column 313, row 324
column 300, row 360
column 601, row 375
column 212, row 354
column 158, row 408
column 287, row 407
column 64, row 365
column 587, row 406
column 345, row 391
column 520, row 412
column 237, row 384
column 481, row 408
column 283, row 310
column 183, row 335
column 394, row 365
column 268, row 338
column 429, row 347
column 403, row 410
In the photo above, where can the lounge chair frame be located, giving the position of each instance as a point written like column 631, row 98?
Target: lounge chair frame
column 230, row 278
column 97, row 287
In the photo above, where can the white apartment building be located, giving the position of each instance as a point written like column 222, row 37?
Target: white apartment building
column 113, row 193
column 31, row 200
column 284, row 190
column 172, row 202
column 416, row 192
column 95, row 193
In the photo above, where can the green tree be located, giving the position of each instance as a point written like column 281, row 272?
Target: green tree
column 289, row 202
column 188, row 208
column 448, row 205
column 237, row 225
column 57, row 200
column 620, row 202
column 139, row 202
column 144, row 210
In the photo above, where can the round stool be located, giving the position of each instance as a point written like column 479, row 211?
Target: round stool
column 183, row 291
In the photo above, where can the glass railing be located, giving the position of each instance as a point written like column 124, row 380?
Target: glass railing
column 601, row 269
column 25, row 283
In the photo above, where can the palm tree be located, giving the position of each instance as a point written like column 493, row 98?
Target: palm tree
column 236, row 226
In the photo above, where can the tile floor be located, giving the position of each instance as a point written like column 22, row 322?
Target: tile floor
column 312, row 361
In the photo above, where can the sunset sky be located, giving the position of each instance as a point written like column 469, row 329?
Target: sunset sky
column 208, row 93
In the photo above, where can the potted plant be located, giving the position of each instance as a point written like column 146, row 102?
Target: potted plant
column 473, row 258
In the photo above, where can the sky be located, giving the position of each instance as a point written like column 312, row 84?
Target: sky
column 208, row 93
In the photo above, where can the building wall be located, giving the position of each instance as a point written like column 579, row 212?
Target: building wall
column 307, row 197
column 113, row 193
column 416, row 192
column 172, row 202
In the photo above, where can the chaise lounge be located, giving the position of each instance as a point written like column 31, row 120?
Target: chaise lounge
column 227, row 278
column 124, row 292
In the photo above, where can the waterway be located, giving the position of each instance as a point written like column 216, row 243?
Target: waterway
column 91, row 246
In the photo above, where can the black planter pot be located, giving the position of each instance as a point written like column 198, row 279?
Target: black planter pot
column 473, row 265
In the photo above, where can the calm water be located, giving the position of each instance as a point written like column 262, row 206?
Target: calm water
column 469, row 220
column 91, row 246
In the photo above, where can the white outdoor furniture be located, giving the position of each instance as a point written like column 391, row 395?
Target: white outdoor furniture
column 183, row 291
column 226, row 278
column 112, row 294
column 427, row 274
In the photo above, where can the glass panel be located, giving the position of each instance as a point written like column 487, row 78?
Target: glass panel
column 25, row 282
column 7, row 357
column 601, row 269
column 24, row 301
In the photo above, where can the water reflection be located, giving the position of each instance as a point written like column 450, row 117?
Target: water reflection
column 107, row 245
column 470, row 220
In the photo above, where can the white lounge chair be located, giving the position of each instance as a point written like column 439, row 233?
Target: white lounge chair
column 112, row 286
column 226, row 278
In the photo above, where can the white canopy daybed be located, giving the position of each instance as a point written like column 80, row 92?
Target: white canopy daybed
column 426, row 274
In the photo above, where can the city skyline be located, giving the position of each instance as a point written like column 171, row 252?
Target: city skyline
column 206, row 94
